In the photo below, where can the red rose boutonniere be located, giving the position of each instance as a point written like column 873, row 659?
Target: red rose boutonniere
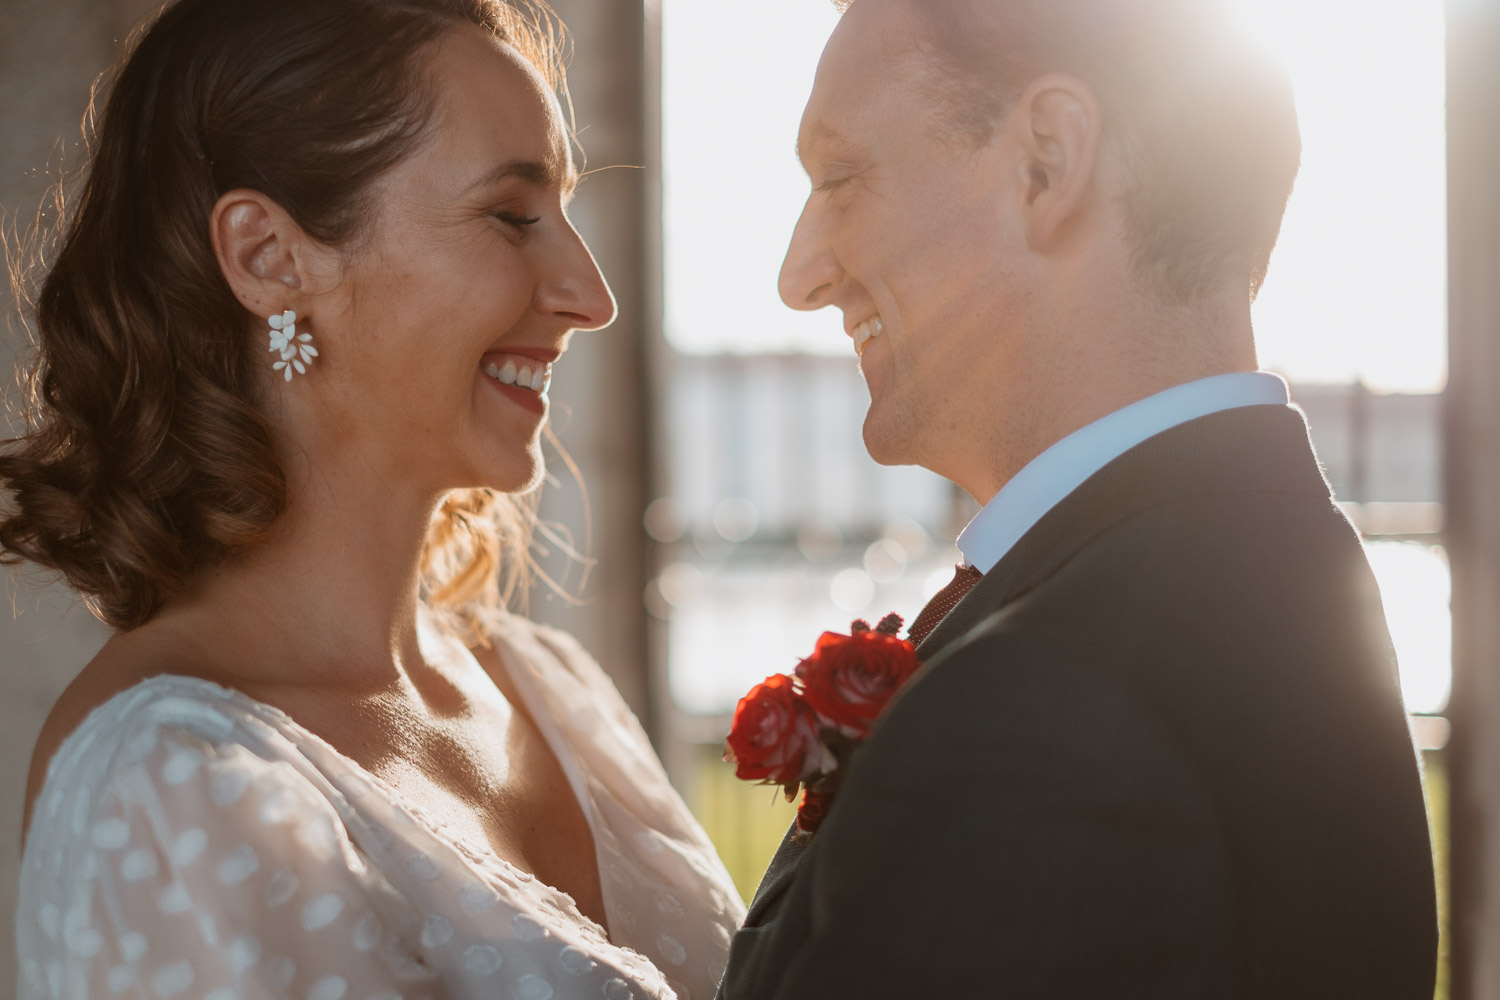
column 799, row 730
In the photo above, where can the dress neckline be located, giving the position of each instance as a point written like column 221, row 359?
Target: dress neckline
column 475, row 855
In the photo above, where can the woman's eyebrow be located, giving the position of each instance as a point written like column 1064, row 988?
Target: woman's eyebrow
column 537, row 172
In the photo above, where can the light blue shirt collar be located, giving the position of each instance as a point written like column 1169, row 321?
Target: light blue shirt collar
column 1064, row 467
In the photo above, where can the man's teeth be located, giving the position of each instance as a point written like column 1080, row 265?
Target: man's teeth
column 533, row 375
column 866, row 332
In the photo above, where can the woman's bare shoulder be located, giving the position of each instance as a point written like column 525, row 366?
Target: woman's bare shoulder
column 124, row 662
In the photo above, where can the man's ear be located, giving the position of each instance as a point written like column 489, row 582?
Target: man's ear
column 264, row 255
column 1058, row 125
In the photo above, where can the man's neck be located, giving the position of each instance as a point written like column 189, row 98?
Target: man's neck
column 1103, row 363
column 1074, row 460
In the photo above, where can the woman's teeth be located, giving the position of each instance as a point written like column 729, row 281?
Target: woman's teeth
column 526, row 374
column 866, row 332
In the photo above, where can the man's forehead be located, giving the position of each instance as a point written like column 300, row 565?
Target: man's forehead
column 871, row 49
column 869, row 36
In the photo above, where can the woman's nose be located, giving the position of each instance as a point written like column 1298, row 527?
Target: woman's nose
column 578, row 290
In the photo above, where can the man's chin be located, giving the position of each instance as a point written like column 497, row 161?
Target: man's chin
column 887, row 442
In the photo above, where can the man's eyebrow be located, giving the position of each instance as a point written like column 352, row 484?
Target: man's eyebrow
column 820, row 134
column 536, row 172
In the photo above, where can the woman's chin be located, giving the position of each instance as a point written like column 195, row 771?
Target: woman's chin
column 517, row 473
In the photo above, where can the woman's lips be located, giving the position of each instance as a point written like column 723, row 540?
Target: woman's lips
column 526, row 398
column 522, row 376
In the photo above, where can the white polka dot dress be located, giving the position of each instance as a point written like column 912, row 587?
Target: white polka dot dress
column 190, row 842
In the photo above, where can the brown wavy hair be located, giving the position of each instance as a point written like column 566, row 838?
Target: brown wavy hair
column 145, row 459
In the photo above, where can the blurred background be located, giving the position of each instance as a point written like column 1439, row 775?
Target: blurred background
column 726, row 500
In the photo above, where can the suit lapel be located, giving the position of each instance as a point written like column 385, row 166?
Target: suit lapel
column 778, row 876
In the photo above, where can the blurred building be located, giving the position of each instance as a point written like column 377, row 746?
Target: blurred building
column 775, row 524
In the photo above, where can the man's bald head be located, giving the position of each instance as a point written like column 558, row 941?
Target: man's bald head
column 1203, row 123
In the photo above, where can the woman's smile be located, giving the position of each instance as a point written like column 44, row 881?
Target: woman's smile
column 522, row 375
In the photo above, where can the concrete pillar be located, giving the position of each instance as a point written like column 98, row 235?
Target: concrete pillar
column 1473, row 491
column 601, row 394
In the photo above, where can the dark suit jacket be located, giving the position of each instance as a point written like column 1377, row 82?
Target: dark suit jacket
column 1158, row 751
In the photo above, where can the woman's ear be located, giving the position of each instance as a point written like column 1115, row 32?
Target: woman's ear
column 1058, row 126
column 262, row 252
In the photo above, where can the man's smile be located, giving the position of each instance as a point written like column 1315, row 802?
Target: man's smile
column 865, row 332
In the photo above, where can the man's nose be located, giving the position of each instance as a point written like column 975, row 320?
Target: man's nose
column 810, row 273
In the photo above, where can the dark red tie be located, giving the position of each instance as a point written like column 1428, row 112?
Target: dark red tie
column 964, row 577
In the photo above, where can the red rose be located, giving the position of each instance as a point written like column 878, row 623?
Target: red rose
column 849, row 678
column 775, row 734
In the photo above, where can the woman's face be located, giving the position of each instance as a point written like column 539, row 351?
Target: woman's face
column 471, row 270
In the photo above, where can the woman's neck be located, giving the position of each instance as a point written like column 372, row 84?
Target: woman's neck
column 329, row 602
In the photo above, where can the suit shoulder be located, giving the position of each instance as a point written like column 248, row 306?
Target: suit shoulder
column 1263, row 557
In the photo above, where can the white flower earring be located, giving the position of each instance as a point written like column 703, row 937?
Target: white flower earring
column 296, row 348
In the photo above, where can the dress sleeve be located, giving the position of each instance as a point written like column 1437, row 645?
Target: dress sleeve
column 201, row 870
